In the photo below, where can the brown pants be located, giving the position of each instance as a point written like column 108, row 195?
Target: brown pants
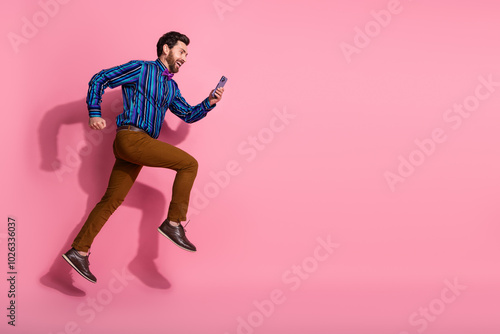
column 133, row 150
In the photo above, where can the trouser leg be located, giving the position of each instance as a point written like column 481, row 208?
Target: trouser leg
column 132, row 151
column 141, row 149
column 121, row 180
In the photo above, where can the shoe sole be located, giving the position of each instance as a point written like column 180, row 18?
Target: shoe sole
column 166, row 236
column 78, row 271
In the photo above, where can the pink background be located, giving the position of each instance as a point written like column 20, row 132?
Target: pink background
column 320, row 174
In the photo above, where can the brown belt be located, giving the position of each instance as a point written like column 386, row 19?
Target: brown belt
column 130, row 128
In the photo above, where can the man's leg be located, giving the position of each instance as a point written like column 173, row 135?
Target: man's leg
column 121, row 180
column 154, row 153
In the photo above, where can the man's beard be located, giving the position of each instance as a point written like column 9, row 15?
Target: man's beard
column 171, row 64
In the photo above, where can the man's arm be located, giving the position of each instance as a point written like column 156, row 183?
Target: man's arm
column 112, row 77
column 191, row 114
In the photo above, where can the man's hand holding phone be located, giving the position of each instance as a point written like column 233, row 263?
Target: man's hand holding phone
column 216, row 94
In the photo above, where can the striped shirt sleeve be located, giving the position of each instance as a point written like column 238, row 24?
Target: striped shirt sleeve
column 185, row 111
column 113, row 77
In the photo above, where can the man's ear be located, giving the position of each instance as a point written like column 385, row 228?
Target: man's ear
column 166, row 49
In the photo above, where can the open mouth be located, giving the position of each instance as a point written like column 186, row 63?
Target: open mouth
column 179, row 63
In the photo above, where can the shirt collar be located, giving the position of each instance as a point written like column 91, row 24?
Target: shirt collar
column 158, row 61
column 165, row 70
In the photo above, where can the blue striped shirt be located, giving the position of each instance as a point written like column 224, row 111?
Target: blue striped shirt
column 147, row 94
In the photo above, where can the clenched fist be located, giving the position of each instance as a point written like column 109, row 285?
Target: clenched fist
column 97, row 123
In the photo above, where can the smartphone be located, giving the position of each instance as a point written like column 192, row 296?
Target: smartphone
column 221, row 83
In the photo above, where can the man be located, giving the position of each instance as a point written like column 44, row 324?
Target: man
column 148, row 91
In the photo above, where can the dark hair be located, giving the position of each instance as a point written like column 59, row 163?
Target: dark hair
column 170, row 38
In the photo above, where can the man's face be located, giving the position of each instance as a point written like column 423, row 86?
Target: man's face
column 176, row 57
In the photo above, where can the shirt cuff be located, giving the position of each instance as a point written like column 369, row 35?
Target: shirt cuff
column 206, row 105
column 94, row 112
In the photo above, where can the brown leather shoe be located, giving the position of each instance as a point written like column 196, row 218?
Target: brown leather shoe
column 177, row 235
column 80, row 263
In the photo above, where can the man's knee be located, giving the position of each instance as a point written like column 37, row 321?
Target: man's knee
column 192, row 164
